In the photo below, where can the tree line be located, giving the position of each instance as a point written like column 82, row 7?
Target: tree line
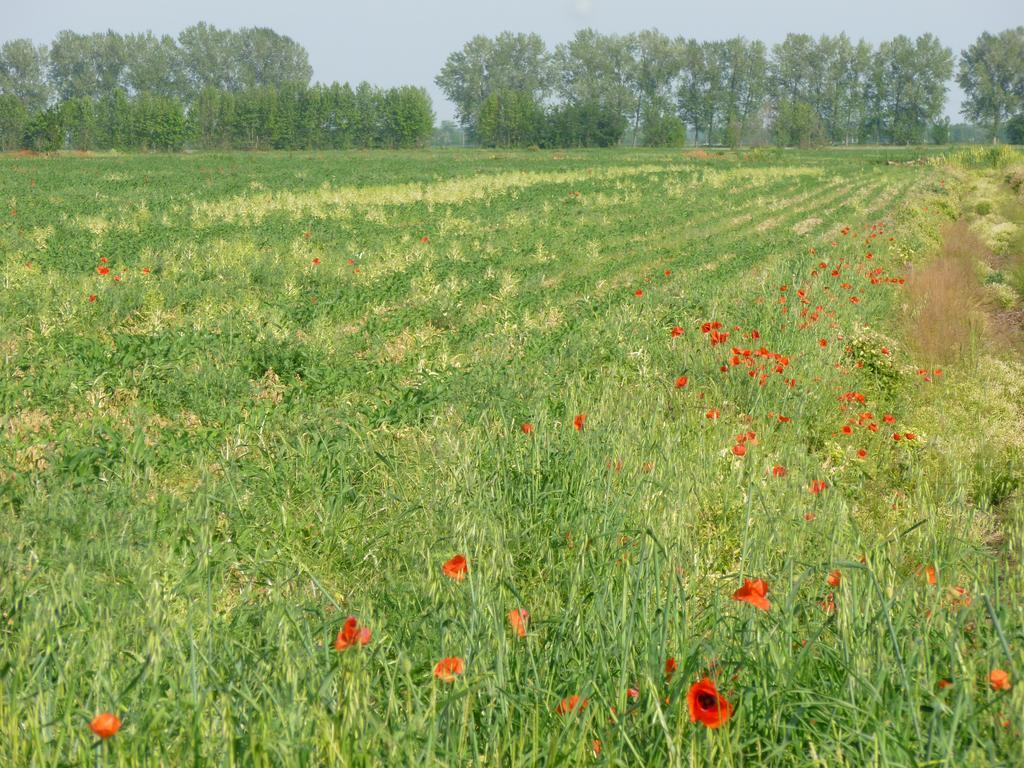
column 209, row 88
column 512, row 90
column 250, row 89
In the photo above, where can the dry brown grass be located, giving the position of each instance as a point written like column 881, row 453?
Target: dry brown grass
column 945, row 317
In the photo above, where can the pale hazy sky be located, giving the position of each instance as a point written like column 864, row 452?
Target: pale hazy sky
column 394, row 42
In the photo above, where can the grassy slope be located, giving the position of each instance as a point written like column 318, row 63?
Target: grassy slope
column 185, row 531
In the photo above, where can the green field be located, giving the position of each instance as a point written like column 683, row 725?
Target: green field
column 299, row 387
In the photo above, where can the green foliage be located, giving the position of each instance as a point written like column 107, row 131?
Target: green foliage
column 510, row 119
column 407, row 118
column 13, row 120
column 991, row 73
column 798, row 125
column 45, row 131
column 1015, row 129
column 662, row 129
column 588, row 124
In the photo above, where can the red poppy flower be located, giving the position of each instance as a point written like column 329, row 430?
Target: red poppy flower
column 578, row 422
column 945, row 683
column 862, row 454
column 569, row 704
column 351, row 634
column 677, row 331
column 668, row 272
column 834, row 578
column 714, row 413
column 103, row 270
column 639, row 292
column 778, row 471
column 822, row 343
column 518, row 618
column 828, row 605
column 527, row 427
column 889, row 418
column 753, row 592
column 999, row 679
column 92, row 297
column 456, row 568
column 671, row 667
column 929, row 573
column 105, row 725
column 448, row 668
column 707, row 705
column 633, row 693
column 103, row 259
column 681, row 382
column 316, row 262
column 739, row 449
column 817, row 486
column 425, row 239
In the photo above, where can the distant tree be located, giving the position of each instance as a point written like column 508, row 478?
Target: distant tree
column 407, row 117
column 367, row 116
column 154, row 65
column 657, row 61
column 115, row 117
column 661, row 127
column 510, row 119
column 992, row 75
column 81, row 123
column 582, row 124
column 158, row 122
column 510, row 63
column 798, row 125
column 595, row 69
column 910, row 85
column 340, row 116
column 45, row 131
column 87, row 65
column 209, row 58
column 13, row 121
column 939, row 132
column 448, row 134
column 1015, row 129
column 266, row 58
column 23, row 73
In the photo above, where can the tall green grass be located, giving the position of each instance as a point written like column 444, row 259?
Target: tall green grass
column 204, row 471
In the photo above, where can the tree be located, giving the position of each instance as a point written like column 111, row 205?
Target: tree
column 509, row 62
column 45, row 131
column 13, row 120
column 154, row 65
column 656, row 63
column 23, row 73
column 662, row 128
column 510, row 119
column 87, row 65
column 81, row 123
column 582, row 124
column 798, row 125
column 939, row 132
column 1015, row 129
column 265, row 58
column 992, row 75
column 595, row 69
column 407, row 117
column 910, row 86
